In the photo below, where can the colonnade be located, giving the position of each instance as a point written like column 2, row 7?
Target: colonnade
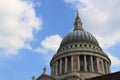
column 80, row 63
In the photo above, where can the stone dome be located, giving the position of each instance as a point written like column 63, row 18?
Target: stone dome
column 79, row 36
column 79, row 56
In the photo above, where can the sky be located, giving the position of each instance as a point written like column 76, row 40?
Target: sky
column 31, row 32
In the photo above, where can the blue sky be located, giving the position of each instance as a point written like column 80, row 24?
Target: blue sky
column 28, row 28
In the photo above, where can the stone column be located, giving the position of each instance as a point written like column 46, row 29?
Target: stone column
column 78, row 63
column 71, row 63
column 65, row 64
column 56, row 67
column 60, row 66
column 85, row 63
column 53, row 69
column 109, row 68
column 97, row 64
column 91, row 61
column 106, row 66
column 103, row 66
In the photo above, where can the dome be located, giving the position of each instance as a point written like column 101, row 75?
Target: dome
column 79, row 36
column 79, row 56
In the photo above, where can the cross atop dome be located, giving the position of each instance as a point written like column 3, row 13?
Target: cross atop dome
column 77, row 23
column 77, row 13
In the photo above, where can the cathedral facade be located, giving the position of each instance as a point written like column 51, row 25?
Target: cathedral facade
column 79, row 57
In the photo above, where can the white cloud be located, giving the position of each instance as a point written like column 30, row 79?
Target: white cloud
column 49, row 46
column 115, row 60
column 100, row 17
column 41, row 50
column 17, row 22
column 50, row 43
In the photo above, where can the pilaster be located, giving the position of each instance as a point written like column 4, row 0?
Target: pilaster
column 56, row 67
column 66, row 64
column 91, row 61
column 85, row 63
column 71, row 63
column 97, row 64
column 60, row 66
column 103, row 66
column 78, row 62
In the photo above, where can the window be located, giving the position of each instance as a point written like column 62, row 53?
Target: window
column 81, row 68
column 85, row 45
column 71, row 46
column 80, row 45
column 90, row 46
column 75, row 62
column 81, row 63
column 69, row 63
column 67, row 47
column 76, row 45
column 100, row 65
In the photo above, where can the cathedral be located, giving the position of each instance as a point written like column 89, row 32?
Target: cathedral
column 79, row 57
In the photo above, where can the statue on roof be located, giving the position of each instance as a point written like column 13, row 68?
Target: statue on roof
column 44, row 70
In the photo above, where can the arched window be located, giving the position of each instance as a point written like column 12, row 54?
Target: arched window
column 75, row 62
column 81, row 63
column 100, row 65
column 69, row 63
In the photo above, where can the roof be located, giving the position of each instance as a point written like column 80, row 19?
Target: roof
column 79, row 36
column 45, row 77
column 111, row 76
